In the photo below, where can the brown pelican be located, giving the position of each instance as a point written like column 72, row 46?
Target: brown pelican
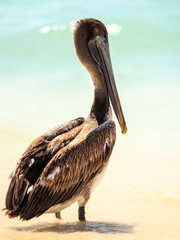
column 65, row 164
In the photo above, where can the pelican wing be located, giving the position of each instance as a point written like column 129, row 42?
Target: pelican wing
column 70, row 170
column 35, row 159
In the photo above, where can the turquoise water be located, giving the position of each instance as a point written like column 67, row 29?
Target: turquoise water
column 40, row 74
column 148, row 40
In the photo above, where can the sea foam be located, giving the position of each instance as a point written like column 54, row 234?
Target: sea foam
column 113, row 28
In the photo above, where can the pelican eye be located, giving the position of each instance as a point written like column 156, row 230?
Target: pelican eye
column 105, row 36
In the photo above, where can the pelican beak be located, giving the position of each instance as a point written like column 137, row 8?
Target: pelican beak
column 99, row 49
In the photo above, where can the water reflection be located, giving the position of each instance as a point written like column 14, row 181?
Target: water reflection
column 98, row 227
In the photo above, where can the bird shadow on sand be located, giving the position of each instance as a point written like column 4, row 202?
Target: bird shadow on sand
column 73, row 227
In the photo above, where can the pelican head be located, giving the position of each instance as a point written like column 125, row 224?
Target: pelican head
column 92, row 48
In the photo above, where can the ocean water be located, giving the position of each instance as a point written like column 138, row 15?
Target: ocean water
column 37, row 50
column 42, row 84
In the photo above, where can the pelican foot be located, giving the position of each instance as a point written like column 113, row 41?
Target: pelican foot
column 58, row 215
column 81, row 214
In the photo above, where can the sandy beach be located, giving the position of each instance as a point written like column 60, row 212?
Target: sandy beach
column 139, row 197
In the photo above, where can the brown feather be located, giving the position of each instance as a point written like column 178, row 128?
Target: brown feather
column 36, row 157
column 72, row 168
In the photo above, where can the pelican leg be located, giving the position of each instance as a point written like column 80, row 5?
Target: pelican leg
column 58, row 215
column 81, row 214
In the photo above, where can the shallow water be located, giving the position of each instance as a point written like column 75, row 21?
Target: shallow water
column 139, row 197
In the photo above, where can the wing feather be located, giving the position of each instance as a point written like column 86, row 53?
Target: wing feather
column 35, row 159
column 70, row 170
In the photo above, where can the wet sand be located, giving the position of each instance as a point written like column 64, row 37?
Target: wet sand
column 139, row 197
